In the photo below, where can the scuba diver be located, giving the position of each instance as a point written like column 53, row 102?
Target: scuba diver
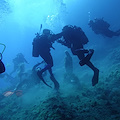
column 17, row 61
column 99, row 26
column 31, row 80
column 74, row 38
column 41, row 46
column 2, row 66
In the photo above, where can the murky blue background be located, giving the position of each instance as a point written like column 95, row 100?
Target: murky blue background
column 21, row 19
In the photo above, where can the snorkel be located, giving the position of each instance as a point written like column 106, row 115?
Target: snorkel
column 38, row 33
column 40, row 29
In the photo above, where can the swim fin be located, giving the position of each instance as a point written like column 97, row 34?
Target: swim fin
column 56, row 84
column 40, row 76
column 95, row 77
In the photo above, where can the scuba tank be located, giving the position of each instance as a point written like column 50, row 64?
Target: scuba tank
column 35, row 50
column 42, row 41
column 74, row 34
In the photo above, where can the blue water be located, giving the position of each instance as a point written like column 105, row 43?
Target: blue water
column 21, row 19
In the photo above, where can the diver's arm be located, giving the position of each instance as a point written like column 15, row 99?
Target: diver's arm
column 26, row 61
column 63, row 42
column 56, row 36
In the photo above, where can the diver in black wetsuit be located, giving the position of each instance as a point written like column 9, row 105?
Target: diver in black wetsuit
column 74, row 38
column 99, row 26
column 31, row 80
column 18, row 61
column 41, row 46
column 2, row 66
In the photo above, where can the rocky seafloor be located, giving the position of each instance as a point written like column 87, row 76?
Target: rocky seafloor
column 101, row 102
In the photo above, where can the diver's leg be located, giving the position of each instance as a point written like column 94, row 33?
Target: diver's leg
column 48, row 59
column 117, row 33
column 56, row 84
column 86, row 60
column 96, row 73
column 19, row 85
column 47, row 67
column 39, row 73
column 110, row 33
column 14, row 69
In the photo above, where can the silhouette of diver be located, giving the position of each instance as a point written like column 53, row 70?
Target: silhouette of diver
column 2, row 66
column 99, row 26
column 41, row 46
column 74, row 38
column 17, row 61
column 31, row 80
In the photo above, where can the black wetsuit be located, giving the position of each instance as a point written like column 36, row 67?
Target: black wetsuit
column 2, row 67
column 41, row 46
column 17, row 61
column 75, row 39
column 99, row 26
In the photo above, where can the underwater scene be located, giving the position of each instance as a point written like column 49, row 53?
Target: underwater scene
column 59, row 60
